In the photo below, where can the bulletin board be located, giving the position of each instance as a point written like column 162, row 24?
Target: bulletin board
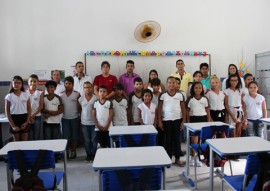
column 162, row 61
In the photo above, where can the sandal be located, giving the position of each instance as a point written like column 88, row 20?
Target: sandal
column 180, row 163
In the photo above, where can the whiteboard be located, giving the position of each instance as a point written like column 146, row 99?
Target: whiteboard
column 165, row 65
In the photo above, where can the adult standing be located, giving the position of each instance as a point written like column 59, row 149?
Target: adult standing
column 127, row 79
column 152, row 75
column 185, row 77
column 204, row 68
column 80, row 77
column 56, row 76
column 232, row 69
column 105, row 79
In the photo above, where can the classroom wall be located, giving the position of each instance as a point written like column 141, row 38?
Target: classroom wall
column 37, row 35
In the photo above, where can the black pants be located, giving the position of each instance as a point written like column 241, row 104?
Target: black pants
column 218, row 115
column 103, row 138
column 172, row 137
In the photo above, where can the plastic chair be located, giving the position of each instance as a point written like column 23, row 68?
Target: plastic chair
column 241, row 182
column 50, row 178
column 208, row 133
column 137, row 140
column 112, row 182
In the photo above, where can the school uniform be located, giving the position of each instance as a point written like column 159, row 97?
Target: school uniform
column 102, row 115
column 148, row 114
column 120, row 112
column 18, row 110
column 134, row 101
column 172, row 119
column 197, row 108
column 216, row 103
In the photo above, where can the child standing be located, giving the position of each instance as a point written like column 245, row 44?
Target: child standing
column 87, row 122
column 120, row 106
column 135, row 98
column 197, row 77
column 70, row 120
column 52, row 110
column 233, row 104
column 147, row 109
column 178, row 86
column 18, row 109
column 103, row 114
column 254, row 107
column 197, row 111
column 247, row 78
column 171, row 119
column 216, row 99
column 36, row 99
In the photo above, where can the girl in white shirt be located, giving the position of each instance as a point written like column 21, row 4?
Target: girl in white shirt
column 18, row 110
column 232, row 69
column 254, row 107
column 216, row 99
column 147, row 110
column 233, row 104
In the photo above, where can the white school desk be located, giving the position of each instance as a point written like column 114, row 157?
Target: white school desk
column 235, row 146
column 131, row 157
column 195, row 128
column 57, row 146
column 4, row 131
column 266, row 122
column 130, row 130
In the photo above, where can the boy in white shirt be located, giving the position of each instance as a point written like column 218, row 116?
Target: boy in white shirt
column 103, row 114
column 87, row 101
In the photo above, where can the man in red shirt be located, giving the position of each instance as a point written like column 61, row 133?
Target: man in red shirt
column 105, row 79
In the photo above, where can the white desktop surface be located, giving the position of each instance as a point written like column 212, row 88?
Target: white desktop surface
column 54, row 145
column 3, row 120
column 132, row 130
column 131, row 157
column 239, row 146
column 195, row 127
column 266, row 120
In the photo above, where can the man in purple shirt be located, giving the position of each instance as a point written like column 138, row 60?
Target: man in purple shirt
column 127, row 78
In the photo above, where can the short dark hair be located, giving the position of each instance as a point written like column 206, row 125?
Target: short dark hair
column 51, row 83
column 239, row 84
column 177, row 79
column 204, row 64
column 247, row 75
column 155, row 81
column 138, row 79
column 118, row 86
column 197, row 72
column 16, row 78
column 105, row 63
column 79, row 62
column 192, row 89
column 103, row 87
column 130, row 62
column 170, row 77
column 69, row 79
column 179, row 61
column 33, row 76
column 147, row 91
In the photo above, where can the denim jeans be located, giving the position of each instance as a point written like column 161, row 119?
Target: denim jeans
column 51, row 131
column 35, row 129
column 70, row 129
column 90, row 141
column 255, row 128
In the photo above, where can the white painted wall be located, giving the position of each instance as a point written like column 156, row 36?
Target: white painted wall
column 52, row 34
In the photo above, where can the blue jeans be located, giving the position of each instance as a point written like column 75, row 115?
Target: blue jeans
column 51, row 131
column 254, row 128
column 70, row 129
column 35, row 129
column 90, row 141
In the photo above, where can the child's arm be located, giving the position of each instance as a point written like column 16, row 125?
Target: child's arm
column 96, row 121
column 188, row 117
column 41, row 101
column 244, row 109
column 130, row 118
column 79, row 105
column 264, row 110
column 155, row 119
column 109, row 120
column 110, row 96
column 183, row 110
column 228, row 109
column 10, row 120
column 25, row 125
column 140, row 116
column 207, row 109
column 96, row 90
column 159, row 111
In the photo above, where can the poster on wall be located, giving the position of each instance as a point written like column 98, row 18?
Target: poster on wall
column 43, row 76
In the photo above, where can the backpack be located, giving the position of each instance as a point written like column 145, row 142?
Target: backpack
column 29, row 181
column 263, row 177
column 218, row 160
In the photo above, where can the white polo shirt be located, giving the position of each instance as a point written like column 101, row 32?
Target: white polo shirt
column 78, row 83
column 18, row 104
column 234, row 97
column 87, row 106
column 254, row 106
column 216, row 101
column 197, row 106
column 171, row 109
column 103, row 112
column 53, row 105
column 148, row 114
column 120, row 112
column 34, row 99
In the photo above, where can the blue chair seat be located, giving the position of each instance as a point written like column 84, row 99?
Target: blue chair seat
column 48, row 178
column 236, row 182
column 137, row 140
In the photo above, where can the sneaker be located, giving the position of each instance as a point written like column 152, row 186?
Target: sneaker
column 88, row 159
column 198, row 162
column 191, row 162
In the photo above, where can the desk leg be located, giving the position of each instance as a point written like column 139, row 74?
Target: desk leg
column 111, row 141
column 187, row 154
column 211, row 181
column 65, row 185
column 164, row 178
column 99, row 180
column 8, row 177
